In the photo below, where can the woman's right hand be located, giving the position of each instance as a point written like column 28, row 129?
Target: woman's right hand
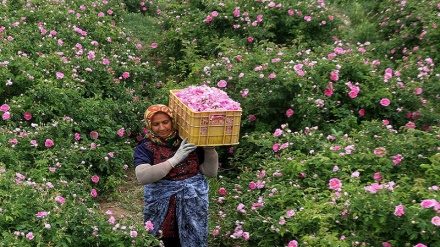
column 184, row 150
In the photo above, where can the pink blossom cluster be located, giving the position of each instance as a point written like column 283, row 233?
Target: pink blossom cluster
column 375, row 187
column 435, row 205
column 239, row 233
column 354, row 90
column 205, row 98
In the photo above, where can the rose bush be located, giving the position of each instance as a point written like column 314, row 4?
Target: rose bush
column 45, row 210
column 65, row 69
column 331, row 189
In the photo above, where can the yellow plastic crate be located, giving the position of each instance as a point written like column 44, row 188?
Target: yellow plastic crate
column 208, row 128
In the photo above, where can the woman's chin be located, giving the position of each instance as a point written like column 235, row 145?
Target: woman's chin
column 165, row 135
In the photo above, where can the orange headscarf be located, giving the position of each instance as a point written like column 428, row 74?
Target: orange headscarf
column 149, row 113
column 171, row 141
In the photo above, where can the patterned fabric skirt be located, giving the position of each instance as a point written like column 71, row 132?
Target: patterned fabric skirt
column 169, row 226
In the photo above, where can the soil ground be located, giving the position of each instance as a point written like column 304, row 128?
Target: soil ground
column 128, row 202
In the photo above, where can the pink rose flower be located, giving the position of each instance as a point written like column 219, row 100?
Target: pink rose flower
column 6, row 115
column 399, row 210
column 277, row 132
column 385, row 102
column 94, row 134
column 149, row 226
column 125, row 75
column 121, row 132
column 377, row 176
column 246, row 236
column 48, row 143
column 245, row 93
column 252, row 185
column 290, row 213
column 60, row 75
column 428, row 203
column 34, row 143
column 329, row 90
column 436, row 220
column 95, row 179
column 4, row 108
column 60, row 199
column 42, row 214
column 380, row 151
column 13, row 141
column 293, row 243
column 410, row 125
column 420, row 245
column 222, row 83
column 335, row 184
column 397, row 159
column 334, row 75
column 208, row 19
column 30, row 235
column 27, row 116
column 222, row 191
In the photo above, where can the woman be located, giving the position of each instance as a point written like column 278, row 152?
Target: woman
column 173, row 174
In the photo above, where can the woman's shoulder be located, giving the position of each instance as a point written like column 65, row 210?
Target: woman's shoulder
column 143, row 141
column 142, row 153
column 142, row 144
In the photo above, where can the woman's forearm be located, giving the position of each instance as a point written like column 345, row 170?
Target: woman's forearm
column 209, row 167
column 147, row 174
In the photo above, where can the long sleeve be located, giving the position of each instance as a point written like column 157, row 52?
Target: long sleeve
column 146, row 171
column 209, row 167
column 147, row 174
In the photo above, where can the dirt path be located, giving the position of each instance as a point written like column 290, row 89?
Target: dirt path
column 129, row 200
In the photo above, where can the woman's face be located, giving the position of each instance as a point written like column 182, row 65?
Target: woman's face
column 161, row 125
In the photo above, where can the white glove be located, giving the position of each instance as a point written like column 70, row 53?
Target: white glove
column 184, row 150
